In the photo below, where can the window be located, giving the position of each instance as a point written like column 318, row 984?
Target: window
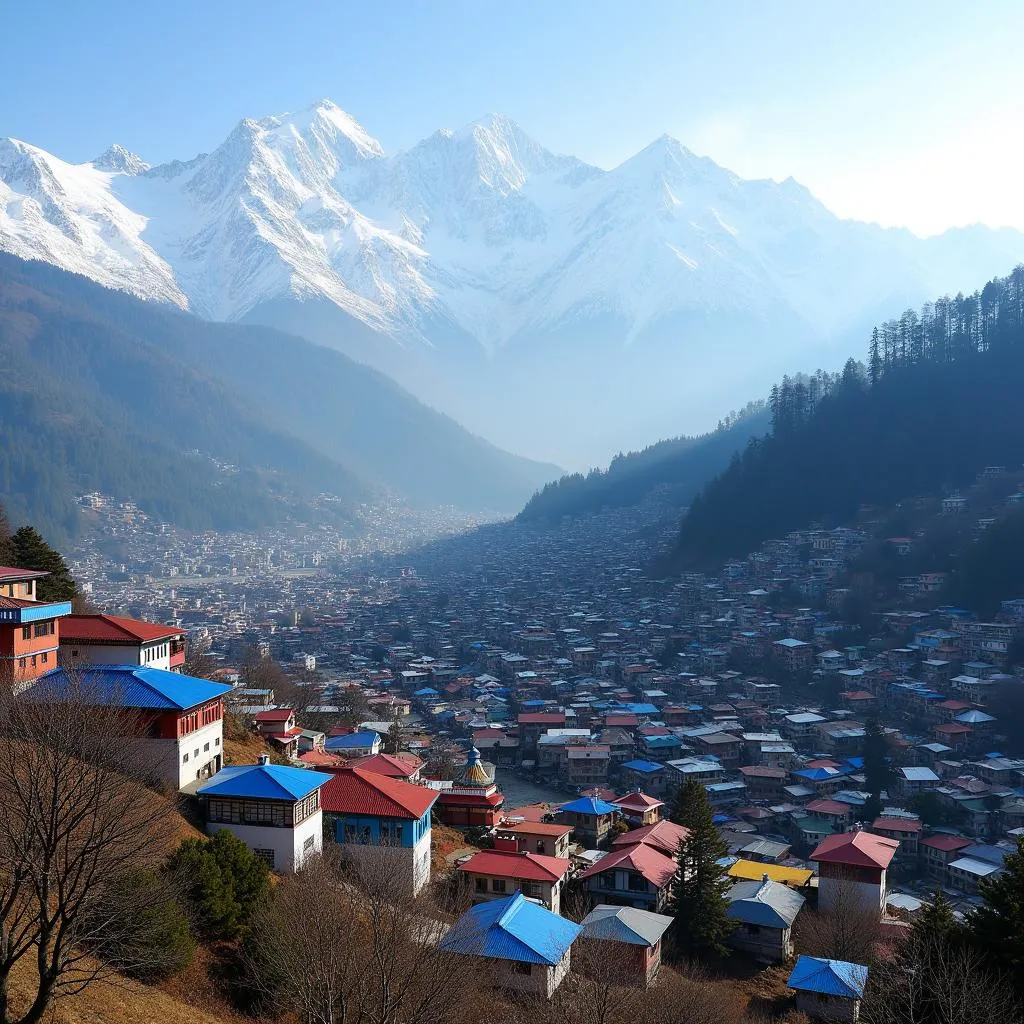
column 637, row 882
column 206, row 748
column 365, row 835
column 216, row 742
column 607, row 879
column 26, row 632
column 350, row 833
column 532, row 890
column 307, row 846
column 267, row 855
column 520, row 968
column 184, row 759
column 481, row 885
column 45, row 657
column 497, row 885
column 540, row 846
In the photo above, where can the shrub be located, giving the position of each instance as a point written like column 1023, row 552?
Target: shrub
column 223, row 882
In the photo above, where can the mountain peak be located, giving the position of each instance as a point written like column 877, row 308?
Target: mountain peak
column 117, row 158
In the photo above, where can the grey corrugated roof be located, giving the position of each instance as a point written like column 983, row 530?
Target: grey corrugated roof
column 625, row 924
column 767, row 903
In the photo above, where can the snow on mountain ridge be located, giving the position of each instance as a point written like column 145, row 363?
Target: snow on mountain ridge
column 481, row 228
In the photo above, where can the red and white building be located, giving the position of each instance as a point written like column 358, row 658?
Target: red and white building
column 114, row 640
column 495, row 874
column 851, row 870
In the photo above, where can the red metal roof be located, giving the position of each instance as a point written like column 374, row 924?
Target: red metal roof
column 355, row 791
column 638, row 801
column 828, row 807
column 897, row 824
column 664, row 836
column 533, row 867
column 657, row 868
column 947, row 844
column 396, row 766
column 275, row 715
column 858, row 849
column 113, row 629
column 10, row 572
column 537, row 828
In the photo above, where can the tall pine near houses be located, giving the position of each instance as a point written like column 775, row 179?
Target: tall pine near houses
column 30, row 551
column 997, row 926
column 700, row 883
column 876, row 770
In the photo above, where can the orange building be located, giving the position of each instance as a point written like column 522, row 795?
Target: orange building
column 29, row 628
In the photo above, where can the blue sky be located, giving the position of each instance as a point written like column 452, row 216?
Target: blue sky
column 902, row 112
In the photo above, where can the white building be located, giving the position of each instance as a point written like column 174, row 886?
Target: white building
column 272, row 808
column 114, row 640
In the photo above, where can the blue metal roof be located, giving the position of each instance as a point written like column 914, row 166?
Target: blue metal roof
column 640, row 765
column 264, row 782
column 828, row 977
column 350, row 740
column 589, row 805
column 512, row 929
column 130, row 686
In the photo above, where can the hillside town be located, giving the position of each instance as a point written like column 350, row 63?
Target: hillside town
column 547, row 705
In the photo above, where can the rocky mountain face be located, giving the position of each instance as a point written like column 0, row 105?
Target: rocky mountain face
column 555, row 307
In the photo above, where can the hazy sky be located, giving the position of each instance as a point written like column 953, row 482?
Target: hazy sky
column 900, row 112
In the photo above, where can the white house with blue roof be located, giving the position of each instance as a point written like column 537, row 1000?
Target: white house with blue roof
column 181, row 717
column 274, row 809
column 527, row 945
column 364, row 743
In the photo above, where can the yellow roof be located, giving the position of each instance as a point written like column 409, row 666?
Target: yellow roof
column 795, row 877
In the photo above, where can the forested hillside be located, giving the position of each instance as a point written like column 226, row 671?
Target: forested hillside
column 101, row 391
column 679, row 467
column 938, row 400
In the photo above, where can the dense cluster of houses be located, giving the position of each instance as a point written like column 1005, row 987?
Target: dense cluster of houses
column 609, row 689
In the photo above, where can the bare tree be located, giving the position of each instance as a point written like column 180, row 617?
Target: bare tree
column 849, row 930
column 932, row 981
column 344, row 945
column 77, row 822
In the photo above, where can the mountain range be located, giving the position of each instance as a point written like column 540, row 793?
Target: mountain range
column 554, row 307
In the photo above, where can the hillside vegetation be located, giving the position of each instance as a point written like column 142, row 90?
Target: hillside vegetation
column 677, row 468
column 936, row 402
column 102, row 391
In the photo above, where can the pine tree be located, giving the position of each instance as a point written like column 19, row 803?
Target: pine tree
column 32, row 552
column 6, row 546
column 997, row 926
column 687, row 806
column 876, row 771
column 700, row 883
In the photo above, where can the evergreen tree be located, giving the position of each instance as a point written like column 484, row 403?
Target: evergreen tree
column 32, row 552
column 688, row 804
column 700, row 883
column 6, row 546
column 222, row 880
column 876, row 771
column 997, row 926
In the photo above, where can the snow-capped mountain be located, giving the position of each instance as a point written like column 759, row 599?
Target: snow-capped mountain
column 480, row 262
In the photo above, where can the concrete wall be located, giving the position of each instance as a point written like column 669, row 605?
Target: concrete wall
column 288, row 844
